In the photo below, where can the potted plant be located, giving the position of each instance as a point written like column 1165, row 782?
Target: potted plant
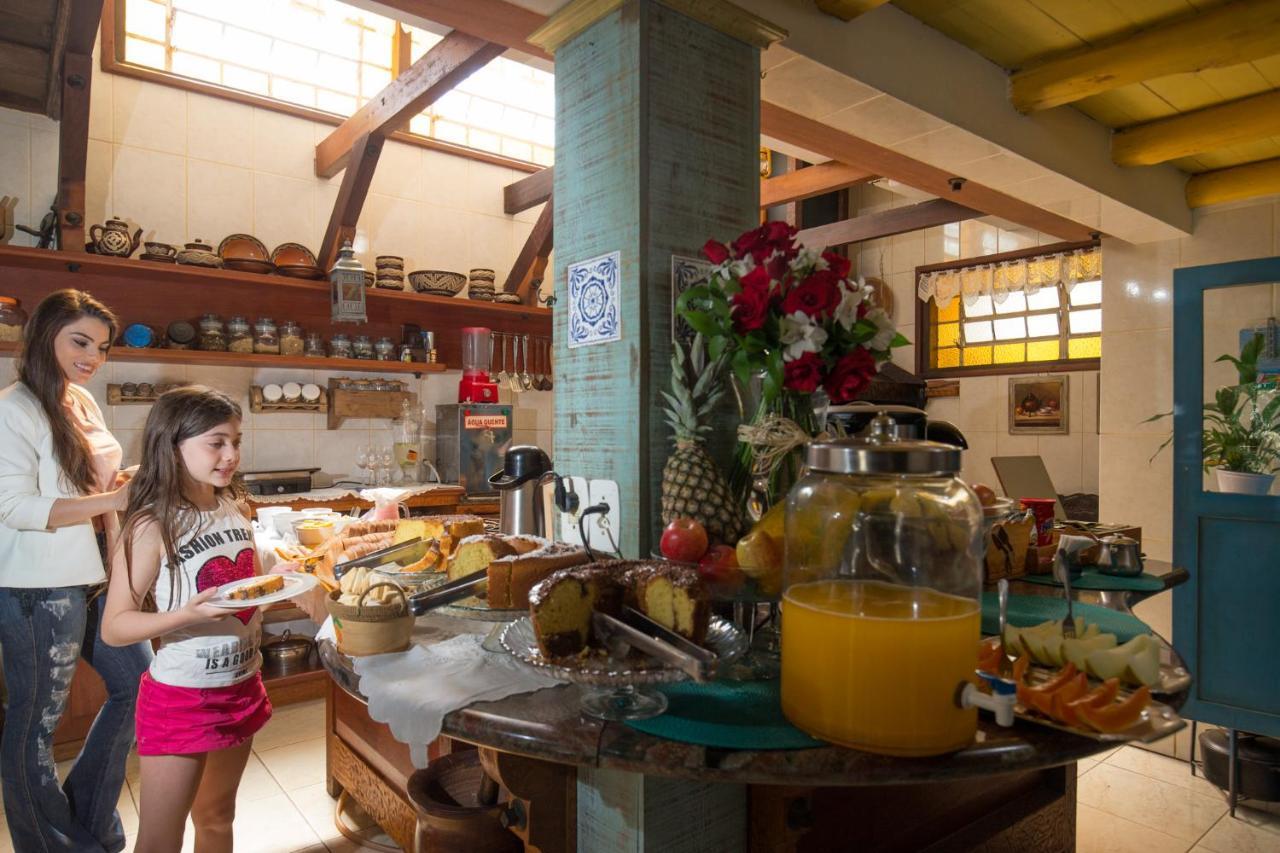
column 1241, row 437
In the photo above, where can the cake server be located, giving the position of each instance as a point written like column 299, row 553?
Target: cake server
column 638, row 631
column 415, row 548
column 455, row 590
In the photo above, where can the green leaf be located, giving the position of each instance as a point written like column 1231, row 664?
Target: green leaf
column 702, row 323
column 1226, row 398
column 899, row 340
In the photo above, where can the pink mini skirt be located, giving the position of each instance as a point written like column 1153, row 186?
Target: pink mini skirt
column 187, row 720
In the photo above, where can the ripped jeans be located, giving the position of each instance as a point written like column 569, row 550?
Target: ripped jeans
column 43, row 633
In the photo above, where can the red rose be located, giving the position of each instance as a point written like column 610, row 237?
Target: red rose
column 715, row 252
column 817, row 296
column 777, row 267
column 752, row 242
column 757, row 278
column 804, row 374
column 750, row 307
column 836, row 263
column 852, row 373
column 780, row 234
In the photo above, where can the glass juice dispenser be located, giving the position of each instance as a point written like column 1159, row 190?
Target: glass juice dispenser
column 881, row 601
column 477, row 353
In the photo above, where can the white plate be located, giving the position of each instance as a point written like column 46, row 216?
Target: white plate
column 294, row 585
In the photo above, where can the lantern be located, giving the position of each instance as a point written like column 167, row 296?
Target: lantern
column 346, row 288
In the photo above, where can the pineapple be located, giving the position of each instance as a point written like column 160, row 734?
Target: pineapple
column 692, row 485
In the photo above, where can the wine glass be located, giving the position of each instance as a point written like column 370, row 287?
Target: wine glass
column 362, row 462
column 387, row 458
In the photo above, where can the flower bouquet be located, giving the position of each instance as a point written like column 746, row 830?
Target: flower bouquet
column 791, row 321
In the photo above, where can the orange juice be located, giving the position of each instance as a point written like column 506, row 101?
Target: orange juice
column 875, row 666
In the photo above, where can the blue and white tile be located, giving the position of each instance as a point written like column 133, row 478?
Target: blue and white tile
column 595, row 313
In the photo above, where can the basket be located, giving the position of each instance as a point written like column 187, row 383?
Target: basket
column 371, row 629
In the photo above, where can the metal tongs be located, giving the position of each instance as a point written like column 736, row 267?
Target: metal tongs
column 455, row 590
column 414, row 549
column 635, row 630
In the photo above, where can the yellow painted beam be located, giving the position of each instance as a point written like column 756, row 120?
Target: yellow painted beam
column 847, row 10
column 1209, row 129
column 1251, row 180
column 1226, row 35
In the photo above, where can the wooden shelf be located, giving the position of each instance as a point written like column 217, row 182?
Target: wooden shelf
column 157, row 294
column 122, row 353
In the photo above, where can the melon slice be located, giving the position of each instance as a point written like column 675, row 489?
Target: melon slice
column 1078, row 650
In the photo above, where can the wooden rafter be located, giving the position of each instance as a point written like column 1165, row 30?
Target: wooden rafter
column 351, row 196
column 1226, row 35
column 75, row 79
column 1235, row 183
column 528, row 192
column 900, row 220
column 811, row 181
column 494, row 20
column 532, row 261
column 847, row 10
column 451, row 61
column 1211, row 128
column 844, row 147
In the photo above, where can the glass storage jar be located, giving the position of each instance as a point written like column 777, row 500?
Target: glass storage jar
column 340, row 347
column 314, row 345
column 266, row 337
column 239, row 335
column 881, row 605
column 213, row 335
column 12, row 319
column 290, row 338
column 384, row 349
column 362, row 347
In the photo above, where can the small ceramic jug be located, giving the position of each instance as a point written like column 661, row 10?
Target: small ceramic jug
column 114, row 238
column 199, row 254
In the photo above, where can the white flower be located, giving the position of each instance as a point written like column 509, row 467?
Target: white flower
column 885, row 329
column 742, row 266
column 801, row 335
column 847, row 311
column 808, row 257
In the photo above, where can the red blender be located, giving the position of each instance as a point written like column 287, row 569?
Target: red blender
column 477, row 352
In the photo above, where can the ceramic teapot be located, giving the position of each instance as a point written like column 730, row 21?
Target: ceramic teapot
column 114, row 238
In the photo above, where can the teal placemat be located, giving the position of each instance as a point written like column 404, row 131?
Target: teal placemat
column 726, row 715
column 1027, row 610
column 1094, row 579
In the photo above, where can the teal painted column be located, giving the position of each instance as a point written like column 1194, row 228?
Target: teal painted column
column 657, row 150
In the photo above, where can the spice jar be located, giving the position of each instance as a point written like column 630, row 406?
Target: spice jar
column 340, row 347
column 180, row 335
column 363, row 347
column 290, row 338
column 11, row 319
column 266, row 337
column 314, row 346
column 384, row 350
column 239, row 336
column 213, row 337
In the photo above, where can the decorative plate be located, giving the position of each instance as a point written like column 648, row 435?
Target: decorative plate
column 243, row 247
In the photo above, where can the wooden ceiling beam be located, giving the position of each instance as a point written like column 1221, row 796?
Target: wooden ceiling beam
column 528, row 192
column 73, row 84
column 899, row 220
column 844, row 147
column 1251, row 180
column 492, row 20
column 811, row 181
column 531, row 264
column 1225, row 35
column 450, row 62
column 351, row 195
column 1208, row 129
column 847, row 10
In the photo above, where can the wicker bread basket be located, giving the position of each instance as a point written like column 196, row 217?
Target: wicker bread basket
column 371, row 629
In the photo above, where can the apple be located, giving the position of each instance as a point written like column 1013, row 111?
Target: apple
column 684, row 540
column 719, row 567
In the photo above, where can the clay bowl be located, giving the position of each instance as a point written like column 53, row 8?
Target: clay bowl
column 243, row 247
column 437, row 282
column 160, row 250
column 292, row 255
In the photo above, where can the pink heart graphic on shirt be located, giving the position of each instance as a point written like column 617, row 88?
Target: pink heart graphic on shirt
column 219, row 570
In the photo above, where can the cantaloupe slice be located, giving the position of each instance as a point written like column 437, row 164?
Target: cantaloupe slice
column 1114, row 663
column 1053, row 649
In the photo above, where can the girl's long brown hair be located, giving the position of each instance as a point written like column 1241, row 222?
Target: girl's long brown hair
column 38, row 369
column 157, row 492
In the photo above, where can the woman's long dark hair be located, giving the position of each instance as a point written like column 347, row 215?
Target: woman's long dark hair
column 158, row 491
column 38, row 369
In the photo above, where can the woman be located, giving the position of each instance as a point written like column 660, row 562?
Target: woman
column 59, row 485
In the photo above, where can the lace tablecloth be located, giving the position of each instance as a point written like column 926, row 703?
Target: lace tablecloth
column 338, row 493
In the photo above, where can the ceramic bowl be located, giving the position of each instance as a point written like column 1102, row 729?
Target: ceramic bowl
column 160, row 250
column 440, row 282
column 243, row 247
column 292, row 255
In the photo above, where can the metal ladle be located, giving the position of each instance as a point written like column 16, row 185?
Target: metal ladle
column 540, row 377
column 526, row 381
column 513, row 382
column 501, row 375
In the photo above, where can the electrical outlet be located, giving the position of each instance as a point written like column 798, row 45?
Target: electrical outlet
column 601, row 527
column 569, row 521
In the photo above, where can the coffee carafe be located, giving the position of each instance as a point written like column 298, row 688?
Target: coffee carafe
column 525, row 469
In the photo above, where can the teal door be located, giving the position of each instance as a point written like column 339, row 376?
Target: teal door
column 1226, row 621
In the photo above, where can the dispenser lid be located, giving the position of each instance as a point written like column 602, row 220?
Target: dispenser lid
column 882, row 452
column 522, row 463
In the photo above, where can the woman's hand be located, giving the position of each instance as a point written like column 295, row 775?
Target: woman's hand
column 197, row 610
column 120, row 497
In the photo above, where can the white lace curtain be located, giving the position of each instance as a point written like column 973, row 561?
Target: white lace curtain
column 1000, row 279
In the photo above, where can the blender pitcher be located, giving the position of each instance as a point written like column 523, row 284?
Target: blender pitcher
column 475, row 385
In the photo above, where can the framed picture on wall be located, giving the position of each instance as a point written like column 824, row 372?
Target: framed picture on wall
column 1038, row 404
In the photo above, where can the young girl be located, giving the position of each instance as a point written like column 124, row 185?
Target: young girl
column 183, row 535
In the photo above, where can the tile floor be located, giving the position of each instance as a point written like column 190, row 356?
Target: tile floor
column 1130, row 801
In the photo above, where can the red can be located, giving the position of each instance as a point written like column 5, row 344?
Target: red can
column 1043, row 509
